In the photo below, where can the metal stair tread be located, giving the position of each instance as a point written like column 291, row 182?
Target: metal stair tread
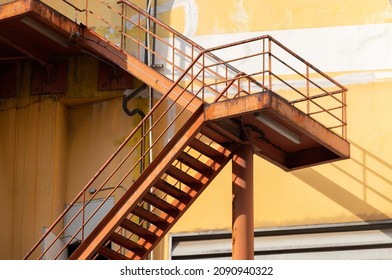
column 207, row 150
column 139, row 230
column 173, row 191
column 215, row 135
column 150, row 217
column 110, row 254
column 195, row 164
column 127, row 243
column 184, row 177
column 161, row 204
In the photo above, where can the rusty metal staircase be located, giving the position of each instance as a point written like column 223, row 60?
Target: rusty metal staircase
column 167, row 198
column 190, row 133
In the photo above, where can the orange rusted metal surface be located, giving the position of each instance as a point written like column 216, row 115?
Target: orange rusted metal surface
column 31, row 29
column 242, row 204
column 317, row 144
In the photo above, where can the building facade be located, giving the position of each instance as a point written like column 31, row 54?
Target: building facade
column 57, row 134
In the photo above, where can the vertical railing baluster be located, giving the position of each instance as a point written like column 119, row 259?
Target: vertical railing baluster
column 203, row 77
column 192, row 71
column 263, row 56
column 344, row 116
column 123, row 31
column 270, row 63
column 173, row 55
column 138, row 35
column 227, row 77
column 83, row 212
column 87, row 11
column 307, row 90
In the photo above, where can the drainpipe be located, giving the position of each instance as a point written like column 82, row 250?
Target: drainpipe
column 150, row 90
column 127, row 97
column 150, row 60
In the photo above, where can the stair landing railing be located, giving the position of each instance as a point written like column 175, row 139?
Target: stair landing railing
column 211, row 75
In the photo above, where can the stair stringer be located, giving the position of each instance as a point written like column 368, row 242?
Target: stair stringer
column 90, row 246
column 228, row 153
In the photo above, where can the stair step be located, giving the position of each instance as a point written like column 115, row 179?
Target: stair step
column 173, row 191
column 150, row 217
column 207, row 150
column 161, row 204
column 215, row 135
column 228, row 129
column 110, row 254
column 127, row 243
column 195, row 164
column 184, row 177
column 139, row 231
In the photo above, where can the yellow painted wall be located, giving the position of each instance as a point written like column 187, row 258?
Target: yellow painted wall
column 95, row 132
column 7, row 150
column 51, row 145
column 33, row 172
column 358, row 189
column 237, row 16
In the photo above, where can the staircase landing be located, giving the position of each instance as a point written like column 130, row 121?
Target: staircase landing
column 278, row 131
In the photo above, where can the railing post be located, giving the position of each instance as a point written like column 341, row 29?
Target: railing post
column 344, row 116
column 192, row 71
column 76, row 11
column 203, row 76
column 263, row 62
column 173, row 55
column 226, row 78
column 83, row 208
column 138, row 35
column 123, row 31
column 270, row 63
column 87, row 13
column 307, row 90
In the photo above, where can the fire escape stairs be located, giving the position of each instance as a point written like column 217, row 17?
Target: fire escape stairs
column 207, row 130
column 169, row 203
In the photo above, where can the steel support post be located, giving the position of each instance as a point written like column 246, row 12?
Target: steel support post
column 242, row 190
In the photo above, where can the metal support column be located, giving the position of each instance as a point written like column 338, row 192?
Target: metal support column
column 242, row 190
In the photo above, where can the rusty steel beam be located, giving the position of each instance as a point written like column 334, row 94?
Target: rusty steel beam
column 39, row 11
column 309, row 127
column 237, row 107
column 318, row 143
column 19, row 44
column 14, row 9
column 242, row 190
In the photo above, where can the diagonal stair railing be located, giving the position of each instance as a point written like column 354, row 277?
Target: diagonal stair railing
column 210, row 75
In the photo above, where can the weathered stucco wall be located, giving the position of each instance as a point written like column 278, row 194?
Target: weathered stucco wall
column 51, row 146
